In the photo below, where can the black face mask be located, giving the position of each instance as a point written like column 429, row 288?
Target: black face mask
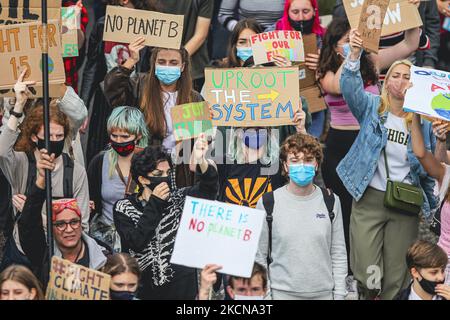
column 429, row 286
column 124, row 148
column 121, row 295
column 155, row 181
column 305, row 26
column 55, row 147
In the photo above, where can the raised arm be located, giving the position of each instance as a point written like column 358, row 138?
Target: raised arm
column 429, row 162
column 205, row 13
column 330, row 82
column 74, row 108
column 226, row 14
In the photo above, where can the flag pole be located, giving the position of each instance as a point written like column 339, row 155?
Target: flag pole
column 48, row 177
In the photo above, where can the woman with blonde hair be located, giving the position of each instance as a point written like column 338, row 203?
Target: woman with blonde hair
column 381, row 168
column 19, row 283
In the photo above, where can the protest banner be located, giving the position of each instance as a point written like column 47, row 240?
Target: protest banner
column 159, row 29
column 71, row 23
column 372, row 15
column 400, row 15
column 189, row 120
column 307, row 77
column 430, row 93
column 213, row 232
column 70, row 281
column 315, row 99
column 288, row 44
column 248, row 97
column 17, row 11
column 21, row 47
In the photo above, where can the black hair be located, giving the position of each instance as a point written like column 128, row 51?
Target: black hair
column 147, row 160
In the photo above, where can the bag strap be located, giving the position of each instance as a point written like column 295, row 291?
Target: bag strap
column 329, row 199
column 68, row 176
column 31, row 178
column 268, row 202
column 386, row 163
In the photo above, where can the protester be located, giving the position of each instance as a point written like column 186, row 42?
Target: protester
column 303, row 16
column 148, row 221
column 167, row 84
column 444, row 49
column 70, row 241
column 109, row 172
column 253, row 288
column 20, row 153
column 364, row 172
column 19, row 283
column 125, row 273
column 426, row 262
column 431, row 25
column 307, row 225
column 102, row 57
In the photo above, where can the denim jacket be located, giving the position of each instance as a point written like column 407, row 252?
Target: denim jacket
column 358, row 167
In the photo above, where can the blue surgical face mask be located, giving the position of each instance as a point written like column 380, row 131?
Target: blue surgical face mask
column 121, row 295
column 167, row 75
column 244, row 53
column 346, row 49
column 255, row 139
column 302, row 174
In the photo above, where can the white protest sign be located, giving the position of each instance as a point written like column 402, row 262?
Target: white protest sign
column 218, row 233
column 430, row 94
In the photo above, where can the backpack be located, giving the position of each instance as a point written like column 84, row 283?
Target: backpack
column 67, row 175
column 268, row 202
column 435, row 224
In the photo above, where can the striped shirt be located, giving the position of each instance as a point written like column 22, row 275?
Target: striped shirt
column 265, row 12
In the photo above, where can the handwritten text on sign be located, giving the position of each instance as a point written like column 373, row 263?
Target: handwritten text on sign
column 372, row 15
column 21, row 47
column 219, row 233
column 400, row 15
column 243, row 97
column 288, row 44
column 70, row 281
column 189, row 120
column 430, row 93
column 159, row 29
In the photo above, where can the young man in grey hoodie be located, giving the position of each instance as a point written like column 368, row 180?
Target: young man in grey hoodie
column 309, row 258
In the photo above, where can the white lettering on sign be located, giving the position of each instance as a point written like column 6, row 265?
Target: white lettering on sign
column 393, row 16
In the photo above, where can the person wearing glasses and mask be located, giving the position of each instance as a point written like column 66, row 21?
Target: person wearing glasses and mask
column 70, row 241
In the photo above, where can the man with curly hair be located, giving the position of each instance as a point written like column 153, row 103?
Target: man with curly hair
column 303, row 244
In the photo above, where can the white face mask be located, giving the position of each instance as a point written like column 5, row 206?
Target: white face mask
column 238, row 297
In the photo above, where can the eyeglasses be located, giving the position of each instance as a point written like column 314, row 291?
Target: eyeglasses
column 62, row 225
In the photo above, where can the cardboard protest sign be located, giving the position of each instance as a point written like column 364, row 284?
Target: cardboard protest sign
column 159, row 29
column 56, row 90
column 21, row 47
column 70, row 281
column 16, row 11
column 288, row 44
column 400, row 15
column 314, row 97
column 307, row 76
column 430, row 93
column 248, row 97
column 189, row 120
column 372, row 15
column 213, row 232
column 71, row 23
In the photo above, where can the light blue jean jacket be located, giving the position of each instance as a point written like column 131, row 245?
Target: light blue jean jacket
column 358, row 167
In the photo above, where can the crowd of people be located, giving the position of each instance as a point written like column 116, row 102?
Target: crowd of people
column 119, row 177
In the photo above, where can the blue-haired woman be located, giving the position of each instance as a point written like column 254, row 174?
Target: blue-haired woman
column 109, row 171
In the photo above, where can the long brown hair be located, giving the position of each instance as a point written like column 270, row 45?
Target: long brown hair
column 330, row 61
column 119, row 263
column 252, row 24
column 24, row 276
column 152, row 104
column 33, row 122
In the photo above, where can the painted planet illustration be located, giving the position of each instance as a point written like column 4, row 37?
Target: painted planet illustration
column 441, row 104
column 51, row 65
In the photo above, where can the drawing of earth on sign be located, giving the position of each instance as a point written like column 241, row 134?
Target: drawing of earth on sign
column 441, row 104
column 51, row 65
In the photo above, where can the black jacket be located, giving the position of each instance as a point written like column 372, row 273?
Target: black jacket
column 404, row 294
column 147, row 232
column 431, row 25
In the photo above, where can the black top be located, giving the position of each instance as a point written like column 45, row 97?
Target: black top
column 147, row 232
